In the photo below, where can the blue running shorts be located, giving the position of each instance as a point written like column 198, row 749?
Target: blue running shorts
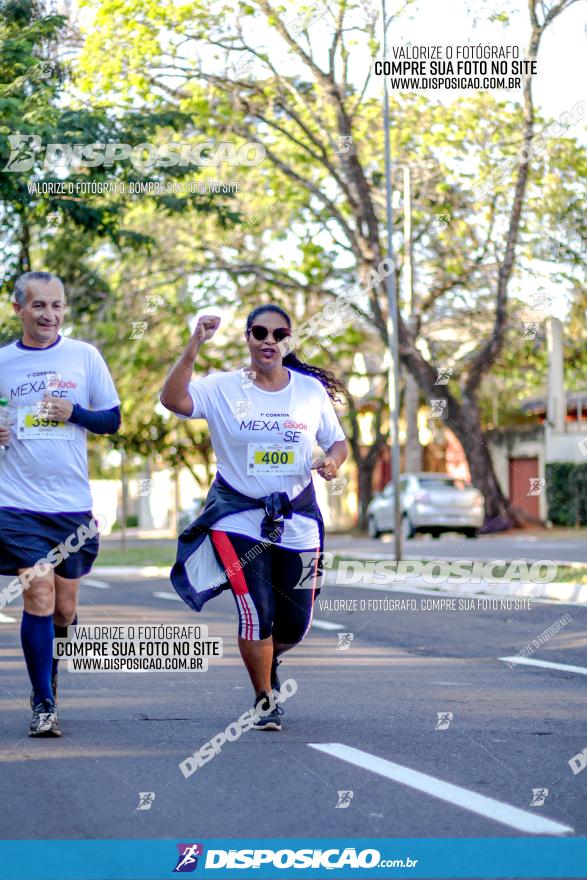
column 26, row 537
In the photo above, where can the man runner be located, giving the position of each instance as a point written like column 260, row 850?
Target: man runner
column 58, row 389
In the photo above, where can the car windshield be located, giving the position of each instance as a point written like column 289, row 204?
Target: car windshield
column 440, row 484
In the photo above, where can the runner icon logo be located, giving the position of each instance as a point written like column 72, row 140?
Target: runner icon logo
column 531, row 329
column 138, row 329
column 345, row 144
column 437, row 408
column 444, row 719
column 146, row 799
column 337, row 486
column 344, row 641
column 187, row 859
column 344, row 799
column 444, row 374
column 248, row 377
column 536, row 485
column 539, row 795
column 242, row 407
column 440, row 222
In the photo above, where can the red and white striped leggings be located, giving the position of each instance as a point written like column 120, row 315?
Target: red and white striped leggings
column 273, row 587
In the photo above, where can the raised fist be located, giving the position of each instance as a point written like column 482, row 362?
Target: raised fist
column 205, row 328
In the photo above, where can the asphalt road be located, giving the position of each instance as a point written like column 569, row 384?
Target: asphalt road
column 511, row 731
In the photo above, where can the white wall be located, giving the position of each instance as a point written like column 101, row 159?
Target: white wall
column 571, row 447
column 105, row 494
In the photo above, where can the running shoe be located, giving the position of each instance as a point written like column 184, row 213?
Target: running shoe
column 268, row 718
column 45, row 721
column 53, row 688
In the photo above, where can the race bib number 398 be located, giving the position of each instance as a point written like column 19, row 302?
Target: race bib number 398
column 31, row 425
column 281, row 459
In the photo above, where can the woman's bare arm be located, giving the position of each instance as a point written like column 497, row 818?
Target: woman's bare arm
column 175, row 395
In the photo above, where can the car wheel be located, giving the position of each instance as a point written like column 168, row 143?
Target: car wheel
column 372, row 529
column 408, row 530
column 435, row 534
column 471, row 533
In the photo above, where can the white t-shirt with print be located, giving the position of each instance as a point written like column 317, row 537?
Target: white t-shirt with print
column 44, row 469
column 264, row 442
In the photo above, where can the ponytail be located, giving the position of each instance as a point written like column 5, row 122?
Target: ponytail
column 334, row 387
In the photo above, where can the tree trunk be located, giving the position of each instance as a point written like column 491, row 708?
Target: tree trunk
column 365, row 458
column 413, row 445
column 24, row 257
column 467, row 427
column 366, row 466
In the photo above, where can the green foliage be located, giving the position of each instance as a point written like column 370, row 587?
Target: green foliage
column 104, row 246
column 297, row 252
column 295, row 233
column 566, row 488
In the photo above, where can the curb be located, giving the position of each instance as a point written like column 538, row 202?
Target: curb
column 147, row 571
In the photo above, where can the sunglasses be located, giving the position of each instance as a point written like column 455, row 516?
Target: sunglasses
column 259, row 333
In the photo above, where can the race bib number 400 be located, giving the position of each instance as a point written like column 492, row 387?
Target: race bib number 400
column 283, row 460
column 31, row 425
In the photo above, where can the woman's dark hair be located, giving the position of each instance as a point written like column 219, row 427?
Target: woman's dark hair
column 334, row 387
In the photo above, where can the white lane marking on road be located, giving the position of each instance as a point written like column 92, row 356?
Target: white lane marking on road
column 173, row 596
column 99, row 585
column 544, row 664
column 445, row 791
column 453, row 683
column 4, row 618
column 553, row 545
column 327, row 624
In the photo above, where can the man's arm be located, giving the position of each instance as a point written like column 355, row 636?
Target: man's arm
column 98, row 421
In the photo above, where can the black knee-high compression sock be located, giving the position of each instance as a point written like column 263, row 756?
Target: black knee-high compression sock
column 60, row 633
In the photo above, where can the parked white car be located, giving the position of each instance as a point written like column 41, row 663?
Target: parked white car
column 186, row 517
column 432, row 503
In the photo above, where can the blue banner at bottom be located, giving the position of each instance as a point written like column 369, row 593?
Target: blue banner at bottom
column 287, row 858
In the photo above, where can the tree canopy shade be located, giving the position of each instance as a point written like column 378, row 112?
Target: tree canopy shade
column 290, row 81
column 99, row 242
column 499, row 205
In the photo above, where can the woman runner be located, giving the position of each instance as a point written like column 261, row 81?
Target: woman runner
column 261, row 515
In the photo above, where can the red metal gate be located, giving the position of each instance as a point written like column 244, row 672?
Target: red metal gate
column 524, row 480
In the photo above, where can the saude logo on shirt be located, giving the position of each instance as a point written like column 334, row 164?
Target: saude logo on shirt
column 290, row 428
column 58, row 387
